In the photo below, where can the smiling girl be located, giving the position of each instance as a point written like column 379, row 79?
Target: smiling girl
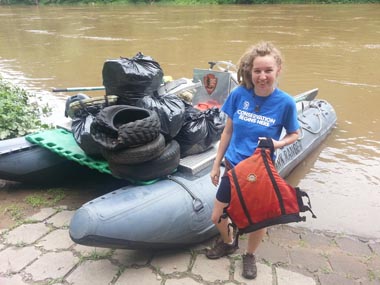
column 256, row 109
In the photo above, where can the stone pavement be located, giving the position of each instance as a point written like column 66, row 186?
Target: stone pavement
column 40, row 251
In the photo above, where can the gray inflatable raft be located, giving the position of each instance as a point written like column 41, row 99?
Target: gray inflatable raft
column 175, row 212
column 23, row 161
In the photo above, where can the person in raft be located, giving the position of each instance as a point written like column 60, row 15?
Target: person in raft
column 256, row 109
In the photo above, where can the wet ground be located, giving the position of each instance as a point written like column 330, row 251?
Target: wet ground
column 40, row 251
column 34, row 233
column 18, row 200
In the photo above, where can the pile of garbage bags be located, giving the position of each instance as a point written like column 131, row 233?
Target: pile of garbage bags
column 141, row 133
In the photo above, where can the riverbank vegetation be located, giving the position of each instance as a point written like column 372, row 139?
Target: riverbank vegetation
column 178, row 2
column 20, row 111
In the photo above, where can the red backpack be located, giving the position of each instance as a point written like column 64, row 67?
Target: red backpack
column 260, row 197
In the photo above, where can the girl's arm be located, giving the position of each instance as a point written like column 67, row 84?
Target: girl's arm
column 288, row 139
column 223, row 144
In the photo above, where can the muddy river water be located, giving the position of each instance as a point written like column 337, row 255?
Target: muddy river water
column 333, row 48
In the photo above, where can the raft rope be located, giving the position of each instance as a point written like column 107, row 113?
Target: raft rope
column 197, row 202
column 308, row 128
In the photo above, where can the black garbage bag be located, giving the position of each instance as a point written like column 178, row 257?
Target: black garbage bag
column 216, row 121
column 130, row 96
column 80, row 128
column 200, row 130
column 83, row 113
column 132, row 78
column 170, row 109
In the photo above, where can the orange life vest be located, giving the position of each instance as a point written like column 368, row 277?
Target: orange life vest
column 260, row 197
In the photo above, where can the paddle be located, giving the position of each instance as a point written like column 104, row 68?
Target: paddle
column 75, row 89
column 305, row 96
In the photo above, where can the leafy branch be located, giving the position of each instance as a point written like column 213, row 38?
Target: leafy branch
column 20, row 112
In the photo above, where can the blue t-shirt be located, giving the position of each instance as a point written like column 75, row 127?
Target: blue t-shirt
column 277, row 111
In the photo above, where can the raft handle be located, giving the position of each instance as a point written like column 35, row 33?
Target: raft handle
column 197, row 204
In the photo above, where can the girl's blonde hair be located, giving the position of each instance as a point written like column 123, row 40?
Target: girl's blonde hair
column 245, row 64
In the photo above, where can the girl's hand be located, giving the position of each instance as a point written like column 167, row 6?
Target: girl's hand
column 215, row 174
column 276, row 144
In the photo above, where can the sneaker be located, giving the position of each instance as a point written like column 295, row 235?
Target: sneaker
column 221, row 249
column 249, row 266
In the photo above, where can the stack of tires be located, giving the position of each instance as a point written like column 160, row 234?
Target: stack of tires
column 132, row 143
column 132, row 137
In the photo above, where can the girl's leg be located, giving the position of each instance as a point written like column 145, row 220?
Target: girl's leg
column 226, row 246
column 254, row 240
column 249, row 259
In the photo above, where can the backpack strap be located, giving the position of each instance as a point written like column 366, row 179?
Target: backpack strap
column 273, row 179
column 266, row 143
column 237, row 235
column 229, row 226
column 302, row 206
column 223, row 216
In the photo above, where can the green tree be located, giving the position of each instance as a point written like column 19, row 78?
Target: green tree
column 20, row 112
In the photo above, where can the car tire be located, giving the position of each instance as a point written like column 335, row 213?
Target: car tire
column 136, row 155
column 162, row 166
column 122, row 126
